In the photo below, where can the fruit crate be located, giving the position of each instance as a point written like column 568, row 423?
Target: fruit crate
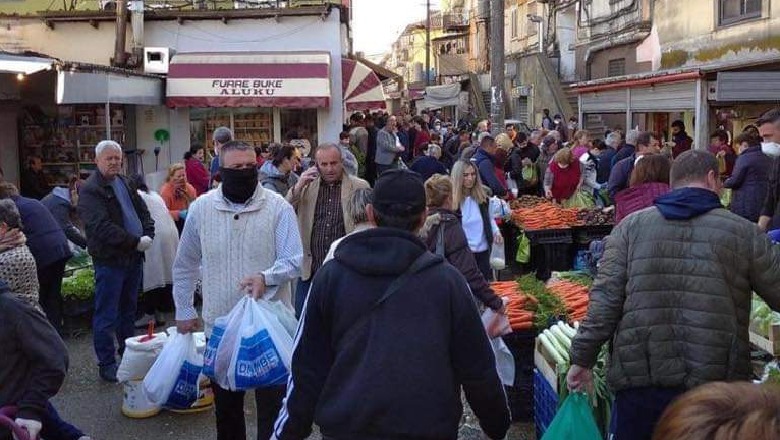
column 550, row 236
column 769, row 343
column 586, row 234
column 545, row 404
column 545, row 366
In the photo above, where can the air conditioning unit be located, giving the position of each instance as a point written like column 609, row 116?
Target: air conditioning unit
column 157, row 59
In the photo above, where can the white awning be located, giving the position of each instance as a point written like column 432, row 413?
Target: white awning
column 441, row 96
column 77, row 87
column 24, row 64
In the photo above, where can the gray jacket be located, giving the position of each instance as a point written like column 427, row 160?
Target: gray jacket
column 386, row 148
column 674, row 296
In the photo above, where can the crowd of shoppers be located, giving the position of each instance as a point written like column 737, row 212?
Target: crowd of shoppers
column 308, row 232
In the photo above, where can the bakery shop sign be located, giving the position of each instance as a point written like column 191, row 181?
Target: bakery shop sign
column 247, row 87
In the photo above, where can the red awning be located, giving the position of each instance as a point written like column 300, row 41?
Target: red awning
column 249, row 79
column 361, row 86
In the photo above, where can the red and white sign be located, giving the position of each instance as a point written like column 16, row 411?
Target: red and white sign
column 249, row 79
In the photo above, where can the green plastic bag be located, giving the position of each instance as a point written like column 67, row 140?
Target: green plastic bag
column 523, row 255
column 530, row 176
column 725, row 197
column 574, row 421
column 580, row 199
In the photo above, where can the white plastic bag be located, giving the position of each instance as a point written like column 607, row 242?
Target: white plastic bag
column 496, row 324
column 139, row 356
column 252, row 346
column 497, row 257
column 499, row 208
column 505, row 362
column 173, row 379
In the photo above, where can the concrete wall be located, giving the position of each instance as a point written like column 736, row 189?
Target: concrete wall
column 530, row 74
column 690, row 33
column 600, row 61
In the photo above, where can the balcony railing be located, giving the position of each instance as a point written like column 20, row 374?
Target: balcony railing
column 455, row 21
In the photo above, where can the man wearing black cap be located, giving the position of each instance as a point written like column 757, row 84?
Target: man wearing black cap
column 389, row 336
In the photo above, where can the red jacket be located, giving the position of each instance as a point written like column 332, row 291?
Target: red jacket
column 197, row 175
column 636, row 198
column 565, row 180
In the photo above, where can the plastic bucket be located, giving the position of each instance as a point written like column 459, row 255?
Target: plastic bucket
column 135, row 405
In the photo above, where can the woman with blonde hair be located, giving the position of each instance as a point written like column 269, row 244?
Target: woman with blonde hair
column 178, row 194
column 444, row 236
column 581, row 144
column 563, row 176
column 470, row 198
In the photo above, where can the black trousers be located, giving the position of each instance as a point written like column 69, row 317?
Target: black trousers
column 50, row 296
column 157, row 300
column 483, row 263
column 229, row 408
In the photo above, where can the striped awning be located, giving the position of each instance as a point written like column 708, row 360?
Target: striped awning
column 361, row 86
column 249, row 79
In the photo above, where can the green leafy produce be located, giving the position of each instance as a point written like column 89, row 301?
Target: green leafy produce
column 80, row 285
column 762, row 317
column 578, row 277
column 547, row 308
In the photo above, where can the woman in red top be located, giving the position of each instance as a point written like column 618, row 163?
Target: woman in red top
column 196, row 172
column 423, row 137
column 563, row 176
column 649, row 180
column 177, row 194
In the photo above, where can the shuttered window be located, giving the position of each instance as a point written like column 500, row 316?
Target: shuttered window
column 616, row 67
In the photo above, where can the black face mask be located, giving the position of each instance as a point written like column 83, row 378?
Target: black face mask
column 238, row 185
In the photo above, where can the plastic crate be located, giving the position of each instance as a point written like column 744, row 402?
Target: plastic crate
column 550, row 236
column 586, row 234
column 545, row 404
column 559, row 257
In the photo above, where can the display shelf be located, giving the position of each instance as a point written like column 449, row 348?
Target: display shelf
column 769, row 343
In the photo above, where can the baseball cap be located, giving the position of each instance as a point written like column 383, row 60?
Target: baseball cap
column 399, row 193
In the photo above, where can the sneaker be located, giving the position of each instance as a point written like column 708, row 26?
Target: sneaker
column 108, row 373
column 143, row 322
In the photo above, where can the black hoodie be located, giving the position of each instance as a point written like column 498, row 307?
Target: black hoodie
column 35, row 359
column 398, row 376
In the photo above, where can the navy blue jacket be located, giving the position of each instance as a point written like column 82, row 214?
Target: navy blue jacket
column 620, row 175
column 487, row 172
column 45, row 237
column 748, row 182
column 605, row 165
column 397, row 374
column 427, row 166
column 627, row 150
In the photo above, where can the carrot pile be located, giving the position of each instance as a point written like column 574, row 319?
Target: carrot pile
column 519, row 317
column 574, row 296
column 545, row 216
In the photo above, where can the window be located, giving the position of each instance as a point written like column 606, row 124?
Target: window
column 616, row 67
column 732, row 11
column 513, row 23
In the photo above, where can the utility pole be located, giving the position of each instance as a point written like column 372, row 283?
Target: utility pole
column 428, row 43
column 497, row 66
column 121, row 33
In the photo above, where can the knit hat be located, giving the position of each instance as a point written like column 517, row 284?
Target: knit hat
column 399, row 193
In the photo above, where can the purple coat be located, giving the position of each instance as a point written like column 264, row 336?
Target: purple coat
column 748, row 183
column 637, row 198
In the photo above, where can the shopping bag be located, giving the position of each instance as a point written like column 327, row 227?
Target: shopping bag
column 497, row 257
column 574, row 421
column 530, row 177
column 580, row 199
column 173, row 379
column 725, row 197
column 499, row 208
column 523, row 255
column 505, row 362
column 263, row 352
column 495, row 324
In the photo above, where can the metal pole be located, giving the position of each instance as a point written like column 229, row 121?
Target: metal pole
column 428, row 43
column 497, row 65
column 121, row 33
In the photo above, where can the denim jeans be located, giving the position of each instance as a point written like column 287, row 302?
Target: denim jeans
column 116, row 294
column 301, row 292
column 636, row 411
column 54, row 428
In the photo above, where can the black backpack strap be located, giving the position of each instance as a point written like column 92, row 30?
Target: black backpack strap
column 440, row 251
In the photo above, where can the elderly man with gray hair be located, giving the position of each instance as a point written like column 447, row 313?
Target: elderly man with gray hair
column 221, row 136
column 119, row 229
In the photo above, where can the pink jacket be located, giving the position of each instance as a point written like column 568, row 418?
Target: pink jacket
column 636, row 198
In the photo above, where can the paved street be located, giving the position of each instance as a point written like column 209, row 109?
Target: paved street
column 95, row 407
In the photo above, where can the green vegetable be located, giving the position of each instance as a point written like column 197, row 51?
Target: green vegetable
column 80, row 285
column 550, row 307
column 550, row 347
column 562, row 351
column 561, row 337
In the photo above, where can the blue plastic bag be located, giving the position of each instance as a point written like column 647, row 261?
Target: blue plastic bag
column 173, row 379
column 574, row 421
column 252, row 346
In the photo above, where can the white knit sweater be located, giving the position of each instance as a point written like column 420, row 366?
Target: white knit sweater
column 227, row 243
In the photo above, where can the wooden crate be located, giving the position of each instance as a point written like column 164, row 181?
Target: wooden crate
column 544, row 362
column 770, row 344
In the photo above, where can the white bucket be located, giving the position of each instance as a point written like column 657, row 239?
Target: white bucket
column 135, row 405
